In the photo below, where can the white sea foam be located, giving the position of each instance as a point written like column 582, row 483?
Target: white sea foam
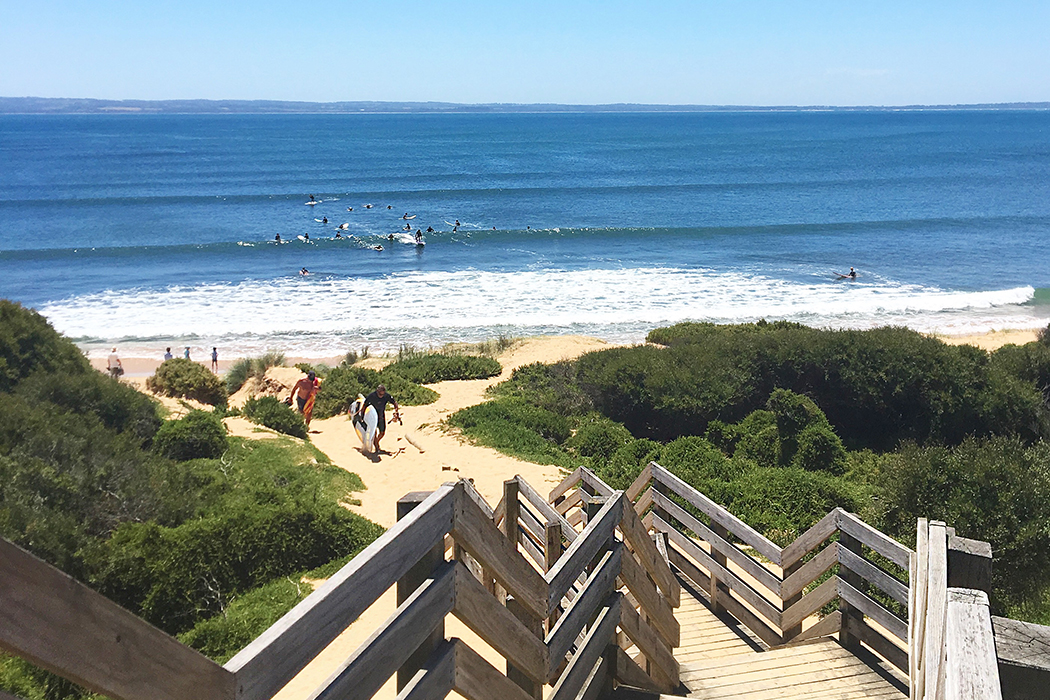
column 315, row 316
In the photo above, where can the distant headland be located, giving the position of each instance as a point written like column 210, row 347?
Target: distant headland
column 57, row 105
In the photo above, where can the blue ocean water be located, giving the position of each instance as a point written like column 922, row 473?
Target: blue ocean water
column 148, row 230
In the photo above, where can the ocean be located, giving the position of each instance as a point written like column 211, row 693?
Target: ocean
column 147, row 231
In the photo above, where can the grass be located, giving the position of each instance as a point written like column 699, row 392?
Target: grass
column 251, row 368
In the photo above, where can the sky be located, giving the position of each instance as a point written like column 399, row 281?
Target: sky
column 739, row 52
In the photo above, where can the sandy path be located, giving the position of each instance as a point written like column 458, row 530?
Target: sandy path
column 445, row 457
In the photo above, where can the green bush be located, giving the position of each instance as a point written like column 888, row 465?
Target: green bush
column 182, row 378
column 818, row 448
column 196, row 435
column 627, row 463
column 552, row 387
column 598, row 437
column 996, row 490
column 28, row 343
column 273, row 414
column 517, row 428
column 440, row 367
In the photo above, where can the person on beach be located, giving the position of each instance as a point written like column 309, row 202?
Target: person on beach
column 378, row 399
column 115, row 368
column 215, row 360
column 305, row 392
column 167, row 354
column 186, row 352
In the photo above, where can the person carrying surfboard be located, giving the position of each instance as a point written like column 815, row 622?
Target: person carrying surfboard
column 379, row 399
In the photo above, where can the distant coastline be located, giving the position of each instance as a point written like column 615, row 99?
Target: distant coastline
column 57, row 105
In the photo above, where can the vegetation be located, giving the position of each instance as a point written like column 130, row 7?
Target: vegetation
column 174, row 521
column 431, row 367
column 251, row 368
column 185, row 379
column 273, row 414
column 198, row 435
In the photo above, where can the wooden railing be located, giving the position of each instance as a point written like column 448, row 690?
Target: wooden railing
column 573, row 609
column 775, row 592
column 952, row 644
column 549, row 599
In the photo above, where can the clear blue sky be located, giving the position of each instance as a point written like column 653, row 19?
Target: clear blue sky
column 758, row 52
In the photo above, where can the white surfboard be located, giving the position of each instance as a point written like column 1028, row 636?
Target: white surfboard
column 303, row 238
column 366, row 426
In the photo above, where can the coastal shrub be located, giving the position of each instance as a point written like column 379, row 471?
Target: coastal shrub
column 598, row 437
column 1043, row 336
column 1028, row 363
column 247, row 368
column 117, row 405
column 517, row 428
column 196, row 435
column 182, row 378
column 553, row 387
column 342, row 385
column 28, row 343
column 273, row 414
column 996, row 490
column 429, row 368
column 876, row 387
column 627, row 463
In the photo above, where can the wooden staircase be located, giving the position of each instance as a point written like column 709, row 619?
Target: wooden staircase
column 585, row 594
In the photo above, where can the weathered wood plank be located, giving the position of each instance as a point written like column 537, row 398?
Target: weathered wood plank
column 477, row 679
column 58, row 623
column 656, row 607
column 580, row 553
column 649, row 642
column 811, row 602
column 369, row 667
column 810, row 571
column 724, row 575
column 476, row 533
column 811, row 538
column 601, row 634
column 882, row 646
column 936, row 611
column 583, row 608
column 645, row 502
column 480, row 611
column 719, row 514
column 599, row 683
column 869, row 536
column 548, row 512
column 917, row 614
column 569, row 502
column 435, row 679
column 828, row 626
column 972, row 668
column 600, row 487
column 565, row 486
column 754, row 569
column 530, row 523
column 875, row 574
column 641, row 483
column 690, row 570
column 268, row 663
column 533, row 551
column 637, row 536
column 629, row 673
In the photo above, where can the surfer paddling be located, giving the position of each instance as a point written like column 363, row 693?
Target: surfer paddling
column 378, row 399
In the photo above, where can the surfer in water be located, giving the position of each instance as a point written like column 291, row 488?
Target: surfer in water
column 379, row 399
column 304, row 272
column 852, row 274
column 430, row 229
column 324, row 219
column 277, row 238
column 419, row 237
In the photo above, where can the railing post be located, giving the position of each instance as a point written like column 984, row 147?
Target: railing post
column 407, row 585
column 787, row 634
column 847, row 639
column 717, row 589
column 552, row 552
column 969, row 563
column 511, row 510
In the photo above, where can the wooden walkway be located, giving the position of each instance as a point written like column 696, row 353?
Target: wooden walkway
column 721, row 660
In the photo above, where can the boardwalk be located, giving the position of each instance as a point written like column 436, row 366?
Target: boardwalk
column 720, row 660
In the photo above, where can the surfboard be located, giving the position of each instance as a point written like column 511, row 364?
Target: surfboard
column 320, row 221
column 365, row 428
column 302, row 238
column 406, row 218
column 310, row 204
column 343, row 227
